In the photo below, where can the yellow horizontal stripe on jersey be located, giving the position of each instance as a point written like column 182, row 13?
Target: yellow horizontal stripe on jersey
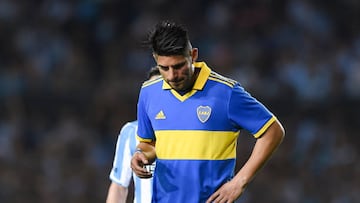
column 195, row 145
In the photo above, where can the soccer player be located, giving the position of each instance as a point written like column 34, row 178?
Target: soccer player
column 121, row 172
column 189, row 121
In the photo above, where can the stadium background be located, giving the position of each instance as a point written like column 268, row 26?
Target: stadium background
column 70, row 72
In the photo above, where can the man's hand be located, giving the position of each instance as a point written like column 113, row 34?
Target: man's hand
column 138, row 161
column 227, row 193
column 263, row 149
column 144, row 155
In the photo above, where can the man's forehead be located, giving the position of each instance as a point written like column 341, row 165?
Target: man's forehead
column 170, row 60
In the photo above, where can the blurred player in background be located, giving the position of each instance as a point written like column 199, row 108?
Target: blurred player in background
column 121, row 173
column 189, row 121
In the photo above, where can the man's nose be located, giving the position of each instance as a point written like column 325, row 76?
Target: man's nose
column 172, row 74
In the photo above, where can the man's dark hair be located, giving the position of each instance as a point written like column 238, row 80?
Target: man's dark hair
column 168, row 39
column 153, row 72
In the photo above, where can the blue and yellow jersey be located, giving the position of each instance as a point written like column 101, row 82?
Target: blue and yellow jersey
column 196, row 133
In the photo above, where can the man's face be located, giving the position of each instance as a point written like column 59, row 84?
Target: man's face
column 177, row 71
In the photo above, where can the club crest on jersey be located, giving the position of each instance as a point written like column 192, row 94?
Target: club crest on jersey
column 203, row 113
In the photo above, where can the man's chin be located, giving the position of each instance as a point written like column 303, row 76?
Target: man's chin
column 178, row 88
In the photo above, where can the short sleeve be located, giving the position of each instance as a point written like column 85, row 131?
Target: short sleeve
column 145, row 131
column 121, row 172
column 248, row 113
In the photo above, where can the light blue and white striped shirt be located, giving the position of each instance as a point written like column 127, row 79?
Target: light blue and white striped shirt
column 121, row 172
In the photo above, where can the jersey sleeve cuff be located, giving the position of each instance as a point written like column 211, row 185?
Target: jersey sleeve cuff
column 143, row 139
column 265, row 127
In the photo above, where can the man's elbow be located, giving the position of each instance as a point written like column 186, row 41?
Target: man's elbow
column 279, row 131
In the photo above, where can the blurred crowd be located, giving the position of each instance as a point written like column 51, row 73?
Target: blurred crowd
column 70, row 72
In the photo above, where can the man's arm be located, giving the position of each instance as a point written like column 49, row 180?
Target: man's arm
column 263, row 149
column 144, row 155
column 121, row 173
column 117, row 193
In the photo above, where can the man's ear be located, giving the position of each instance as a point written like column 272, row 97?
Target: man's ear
column 155, row 56
column 194, row 54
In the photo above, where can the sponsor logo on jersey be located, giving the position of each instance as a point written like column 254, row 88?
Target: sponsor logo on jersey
column 160, row 115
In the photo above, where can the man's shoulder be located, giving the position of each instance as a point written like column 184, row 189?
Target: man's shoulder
column 129, row 127
column 130, row 124
column 218, row 78
column 151, row 82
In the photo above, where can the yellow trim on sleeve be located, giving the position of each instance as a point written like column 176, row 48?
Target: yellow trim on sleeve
column 142, row 139
column 265, row 127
